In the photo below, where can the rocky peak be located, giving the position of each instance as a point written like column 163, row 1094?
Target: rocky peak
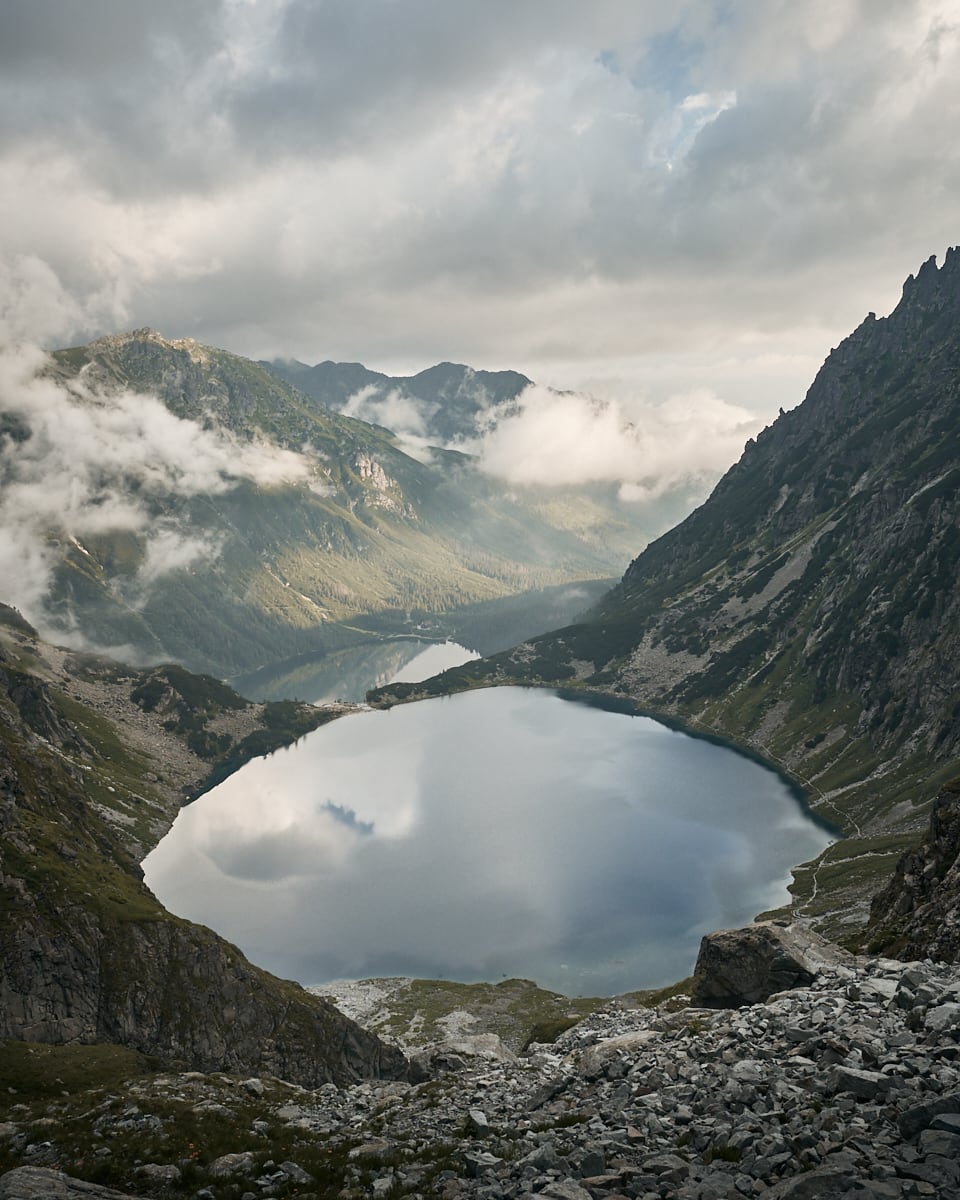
column 932, row 286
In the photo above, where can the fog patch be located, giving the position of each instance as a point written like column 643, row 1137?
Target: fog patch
column 401, row 413
column 168, row 551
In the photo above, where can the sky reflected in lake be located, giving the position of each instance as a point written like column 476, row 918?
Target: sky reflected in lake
column 496, row 833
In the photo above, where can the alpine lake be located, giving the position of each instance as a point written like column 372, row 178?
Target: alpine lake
column 499, row 833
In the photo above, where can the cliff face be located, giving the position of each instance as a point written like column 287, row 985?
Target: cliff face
column 809, row 609
column 88, row 954
column 917, row 915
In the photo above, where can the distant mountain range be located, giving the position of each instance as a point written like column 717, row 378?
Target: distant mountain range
column 810, row 608
column 264, row 569
column 448, row 403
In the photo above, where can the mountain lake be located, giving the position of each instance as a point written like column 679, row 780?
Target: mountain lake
column 498, row 833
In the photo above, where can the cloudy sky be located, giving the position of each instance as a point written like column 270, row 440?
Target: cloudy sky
column 635, row 198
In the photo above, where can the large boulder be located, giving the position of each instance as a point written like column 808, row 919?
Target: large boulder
column 42, row 1183
column 746, row 966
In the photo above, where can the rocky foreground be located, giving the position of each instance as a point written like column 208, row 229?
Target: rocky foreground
column 848, row 1085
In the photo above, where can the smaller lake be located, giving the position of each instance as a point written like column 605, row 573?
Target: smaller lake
column 496, row 833
column 349, row 674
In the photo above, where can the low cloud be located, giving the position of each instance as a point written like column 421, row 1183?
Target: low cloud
column 647, row 448
column 405, row 415
column 169, row 550
column 75, row 463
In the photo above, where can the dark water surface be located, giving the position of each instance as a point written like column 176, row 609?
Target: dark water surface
column 496, row 833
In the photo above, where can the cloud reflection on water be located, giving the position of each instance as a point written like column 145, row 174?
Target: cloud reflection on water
column 496, row 833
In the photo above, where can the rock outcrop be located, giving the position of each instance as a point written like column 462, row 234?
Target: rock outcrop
column 43, row 1183
column 918, row 912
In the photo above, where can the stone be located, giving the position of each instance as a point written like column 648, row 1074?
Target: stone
column 160, row 1172
column 670, row 1165
column 479, row 1161
column 477, row 1123
column 595, row 1059
column 241, row 1163
column 943, row 1016
column 565, row 1189
column 919, row 1116
column 865, row 1085
column 939, row 1141
column 746, row 966
column 42, row 1183
column 824, row 1183
column 295, row 1173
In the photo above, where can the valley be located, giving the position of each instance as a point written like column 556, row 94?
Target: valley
column 805, row 613
column 223, row 519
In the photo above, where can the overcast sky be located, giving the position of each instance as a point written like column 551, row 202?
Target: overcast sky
column 628, row 196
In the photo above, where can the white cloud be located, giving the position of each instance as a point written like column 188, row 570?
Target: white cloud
column 611, row 184
column 647, row 448
column 403, row 414
column 168, row 550
column 75, row 464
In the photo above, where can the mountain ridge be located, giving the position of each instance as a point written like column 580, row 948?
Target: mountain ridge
column 452, row 402
column 275, row 565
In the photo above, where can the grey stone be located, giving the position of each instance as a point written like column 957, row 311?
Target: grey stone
column 232, row 1164
column 160, row 1172
column 479, row 1161
column 919, row 1116
column 939, row 1141
column 943, row 1016
column 295, row 1173
column 477, row 1123
column 41, row 1183
column 667, row 1164
column 565, row 1189
column 824, row 1183
column 746, row 966
column 865, row 1085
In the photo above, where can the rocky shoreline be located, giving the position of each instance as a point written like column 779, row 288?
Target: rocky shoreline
column 848, row 1085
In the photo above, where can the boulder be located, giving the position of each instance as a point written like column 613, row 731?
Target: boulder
column 42, row 1183
column 748, row 965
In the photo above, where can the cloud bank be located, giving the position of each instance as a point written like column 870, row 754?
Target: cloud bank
column 619, row 189
column 646, row 448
